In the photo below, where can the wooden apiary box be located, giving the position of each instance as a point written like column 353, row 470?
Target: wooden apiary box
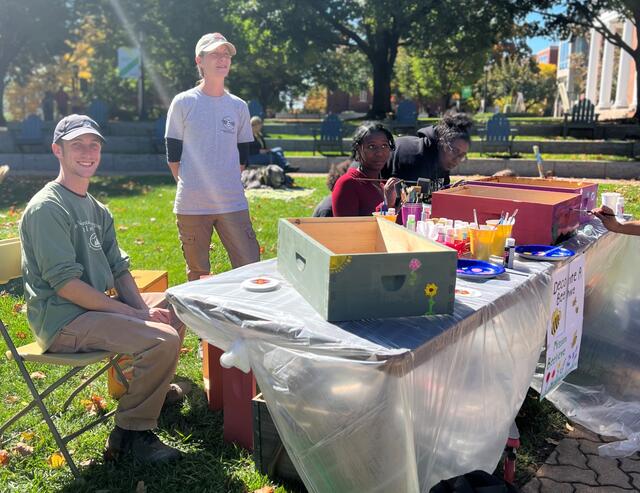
column 587, row 190
column 269, row 454
column 543, row 217
column 351, row 268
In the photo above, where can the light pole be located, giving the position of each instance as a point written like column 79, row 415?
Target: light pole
column 486, row 69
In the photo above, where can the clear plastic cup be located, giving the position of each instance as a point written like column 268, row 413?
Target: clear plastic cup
column 481, row 242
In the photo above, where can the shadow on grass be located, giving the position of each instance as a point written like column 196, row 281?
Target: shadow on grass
column 207, row 463
column 17, row 190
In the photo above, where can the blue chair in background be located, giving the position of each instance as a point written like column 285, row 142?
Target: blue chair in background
column 99, row 111
column 406, row 118
column 30, row 132
column 498, row 134
column 255, row 108
column 157, row 139
column 329, row 137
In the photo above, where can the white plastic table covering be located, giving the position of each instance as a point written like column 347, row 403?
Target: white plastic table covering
column 383, row 405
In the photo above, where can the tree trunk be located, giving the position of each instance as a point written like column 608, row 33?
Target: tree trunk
column 636, row 115
column 2, row 87
column 382, row 72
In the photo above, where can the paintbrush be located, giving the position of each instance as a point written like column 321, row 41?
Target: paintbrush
column 382, row 180
column 591, row 212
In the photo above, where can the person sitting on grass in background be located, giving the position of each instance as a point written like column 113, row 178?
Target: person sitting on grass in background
column 361, row 191
column 70, row 259
column 609, row 221
column 260, row 154
column 324, row 208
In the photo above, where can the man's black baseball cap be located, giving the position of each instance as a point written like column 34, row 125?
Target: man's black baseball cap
column 72, row 126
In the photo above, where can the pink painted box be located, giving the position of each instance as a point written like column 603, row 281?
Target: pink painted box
column 543, row 218
column 587, row 190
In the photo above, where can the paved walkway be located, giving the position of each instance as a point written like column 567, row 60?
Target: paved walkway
column 575, row 466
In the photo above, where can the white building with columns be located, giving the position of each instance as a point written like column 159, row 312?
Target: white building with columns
column 607, row 61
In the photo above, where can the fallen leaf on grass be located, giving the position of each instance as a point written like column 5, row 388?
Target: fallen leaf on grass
column 4, row 458
column 23, row 449
column 264, row 489
column 17, row 308
column 95, row 405
column 122, row 228
column 56, row 461
column 261, row 250
column 11, row 399
column 139, row 241
column 21, row 335
column 27, row 436
column 185, row 350
column 87, row 463
column 38, row 375
column 140, row 487
column 152, row 219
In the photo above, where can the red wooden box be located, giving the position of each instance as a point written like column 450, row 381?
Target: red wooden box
column 587, row 190
column 543, row 217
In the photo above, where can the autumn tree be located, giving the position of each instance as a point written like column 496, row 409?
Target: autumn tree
column 31, row 32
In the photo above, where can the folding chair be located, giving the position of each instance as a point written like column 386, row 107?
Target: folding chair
column 10, row 269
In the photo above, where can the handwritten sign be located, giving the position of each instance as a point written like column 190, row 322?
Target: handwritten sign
column 564, row 329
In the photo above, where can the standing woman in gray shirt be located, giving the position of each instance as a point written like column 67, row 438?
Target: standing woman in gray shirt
column 207, row 136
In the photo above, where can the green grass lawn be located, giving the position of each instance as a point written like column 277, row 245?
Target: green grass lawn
column 146, row 230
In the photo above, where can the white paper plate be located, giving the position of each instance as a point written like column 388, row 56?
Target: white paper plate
column 260, row 283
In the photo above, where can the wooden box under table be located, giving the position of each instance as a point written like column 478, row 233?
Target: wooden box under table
column 543, row 217
column 587, row 190
column 351, row 268
column 269, row 454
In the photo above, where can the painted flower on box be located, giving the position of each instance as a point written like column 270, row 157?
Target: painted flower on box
column 338, row 262
column 414, row 265
column 430, row 291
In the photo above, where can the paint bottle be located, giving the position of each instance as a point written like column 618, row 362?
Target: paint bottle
column 509, row 253
column 411, row 222
column 426, row 212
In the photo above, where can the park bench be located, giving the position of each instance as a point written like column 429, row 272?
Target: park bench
column 583, row 117
column 329, row 137
column 99, row 112
column 157, row 139
column 497, row 134
column 256, row 109
column 30, row 133
column 406, row 118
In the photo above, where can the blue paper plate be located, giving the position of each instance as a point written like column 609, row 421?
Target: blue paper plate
column 477, row 269
column 545, row 253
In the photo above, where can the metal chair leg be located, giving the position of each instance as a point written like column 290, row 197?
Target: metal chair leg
column 45, row 413
column 84, row 384
column 42, row 394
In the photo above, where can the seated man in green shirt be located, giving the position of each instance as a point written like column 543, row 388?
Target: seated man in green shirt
column 70, row 258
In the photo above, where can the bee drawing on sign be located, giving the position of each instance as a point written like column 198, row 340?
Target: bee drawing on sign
column 555, row 321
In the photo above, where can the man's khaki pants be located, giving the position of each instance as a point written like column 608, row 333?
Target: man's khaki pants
column 235, row 232
column 155, row 348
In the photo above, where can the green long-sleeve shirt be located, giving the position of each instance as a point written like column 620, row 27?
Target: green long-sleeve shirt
column 65, row 236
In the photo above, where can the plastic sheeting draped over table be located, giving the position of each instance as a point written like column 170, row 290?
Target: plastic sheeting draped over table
column 384, row 405
column 603, row 394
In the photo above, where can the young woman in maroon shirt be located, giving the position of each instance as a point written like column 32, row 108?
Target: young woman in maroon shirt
column 361, row 191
